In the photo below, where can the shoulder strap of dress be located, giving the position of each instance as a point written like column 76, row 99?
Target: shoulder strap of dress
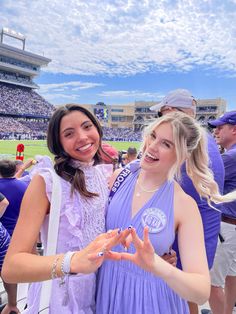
column 123, row 175
column 118, row 182
column 53, row 226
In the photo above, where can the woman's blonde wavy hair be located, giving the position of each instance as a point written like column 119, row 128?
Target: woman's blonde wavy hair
column 190, row 147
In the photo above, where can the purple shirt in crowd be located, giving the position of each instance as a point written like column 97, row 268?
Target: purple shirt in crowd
column 14, row 190
column 229, row 159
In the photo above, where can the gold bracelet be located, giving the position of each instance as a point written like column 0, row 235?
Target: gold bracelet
column 54, row 268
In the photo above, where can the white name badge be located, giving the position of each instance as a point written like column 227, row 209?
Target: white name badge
column 154, row 218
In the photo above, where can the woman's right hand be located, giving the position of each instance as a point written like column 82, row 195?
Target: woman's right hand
column 144, row 256
column 90, row 258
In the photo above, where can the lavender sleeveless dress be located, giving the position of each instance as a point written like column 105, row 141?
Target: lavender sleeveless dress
column 123, row 287
column 81, row 220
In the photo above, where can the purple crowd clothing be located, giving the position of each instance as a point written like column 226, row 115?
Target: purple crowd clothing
column 123, row 287
column 81, row 220
column 14, row 190
column 210, row 218
column 1, row 197
column 4, row 243
column 229, row 159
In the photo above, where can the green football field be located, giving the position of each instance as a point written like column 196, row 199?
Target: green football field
column 32, row 148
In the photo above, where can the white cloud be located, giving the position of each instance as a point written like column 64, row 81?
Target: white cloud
column 135, row 94
column 59, row 93
column 72, row 86
column 127, row 37
column 60, row 98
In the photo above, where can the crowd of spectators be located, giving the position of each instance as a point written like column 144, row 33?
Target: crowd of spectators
column 121, row 134
column 22, row 136
column 12, row 125
column 11, row 128
column 24, row 114
column 23, row 100
column 17, row 78
column 36, row 126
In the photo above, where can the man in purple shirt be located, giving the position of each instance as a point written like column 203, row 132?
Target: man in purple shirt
column 14, row 190
column 223, row 273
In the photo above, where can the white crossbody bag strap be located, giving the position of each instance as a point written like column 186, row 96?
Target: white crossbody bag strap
column 53, row 224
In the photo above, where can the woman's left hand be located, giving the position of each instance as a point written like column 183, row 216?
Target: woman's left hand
column 144, row 256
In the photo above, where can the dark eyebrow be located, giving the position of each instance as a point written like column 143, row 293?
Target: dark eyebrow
column 82, row 124
column 68, row 129
column 85, row 122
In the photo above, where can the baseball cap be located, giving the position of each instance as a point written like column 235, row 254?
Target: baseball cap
column 227, row 118
column 177, row 98
column 110, row 150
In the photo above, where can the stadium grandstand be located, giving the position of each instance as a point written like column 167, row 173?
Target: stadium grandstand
column 23, row 112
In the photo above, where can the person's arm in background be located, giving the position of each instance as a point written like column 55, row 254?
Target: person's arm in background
column 27, row 164
column 3, row 204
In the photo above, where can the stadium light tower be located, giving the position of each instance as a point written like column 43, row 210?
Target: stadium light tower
column 10, row 33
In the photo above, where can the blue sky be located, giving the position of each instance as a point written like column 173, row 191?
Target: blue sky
column 121, row 51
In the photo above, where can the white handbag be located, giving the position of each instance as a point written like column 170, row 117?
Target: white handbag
column 53, row 224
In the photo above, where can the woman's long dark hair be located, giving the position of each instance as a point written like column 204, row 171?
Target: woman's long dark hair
column 62, row 160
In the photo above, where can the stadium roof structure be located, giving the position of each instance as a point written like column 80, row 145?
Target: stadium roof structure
column 22, row 55
column 18, row 66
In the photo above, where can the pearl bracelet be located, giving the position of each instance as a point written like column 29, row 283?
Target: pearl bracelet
column 65, row 264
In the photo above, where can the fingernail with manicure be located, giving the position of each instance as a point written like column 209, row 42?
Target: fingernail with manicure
column 119, row 230
column 130, row 227
column 100, row 254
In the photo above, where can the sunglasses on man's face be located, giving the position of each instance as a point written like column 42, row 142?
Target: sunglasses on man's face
column 167, row 108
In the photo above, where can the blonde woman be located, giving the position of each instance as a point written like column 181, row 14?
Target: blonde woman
column 150, row 201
